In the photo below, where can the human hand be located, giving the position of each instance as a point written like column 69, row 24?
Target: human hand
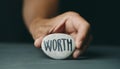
column 69, row 23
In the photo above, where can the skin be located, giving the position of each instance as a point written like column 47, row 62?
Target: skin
column 41, row 19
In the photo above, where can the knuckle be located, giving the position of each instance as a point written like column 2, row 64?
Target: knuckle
column 72, row 13
column 88, row 25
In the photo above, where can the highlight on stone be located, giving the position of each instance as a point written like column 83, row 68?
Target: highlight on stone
column 58, row 45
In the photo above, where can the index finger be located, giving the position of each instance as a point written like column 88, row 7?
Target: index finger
column 82, row 27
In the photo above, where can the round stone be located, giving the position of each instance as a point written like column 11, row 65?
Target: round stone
column 58, row 46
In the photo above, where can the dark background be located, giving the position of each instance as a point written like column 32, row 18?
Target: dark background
column 103, row 16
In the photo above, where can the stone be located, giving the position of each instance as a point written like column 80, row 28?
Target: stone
column 58, row 45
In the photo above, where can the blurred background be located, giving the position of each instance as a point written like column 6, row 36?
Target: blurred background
column 102, row 15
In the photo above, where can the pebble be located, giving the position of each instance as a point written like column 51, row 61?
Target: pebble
column 58, row 45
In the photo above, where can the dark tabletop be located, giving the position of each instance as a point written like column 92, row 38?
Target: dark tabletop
column 26, row 56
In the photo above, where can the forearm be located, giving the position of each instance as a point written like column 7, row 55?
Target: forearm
column 33, row 9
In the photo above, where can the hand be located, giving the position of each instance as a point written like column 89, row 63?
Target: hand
column 69, row 23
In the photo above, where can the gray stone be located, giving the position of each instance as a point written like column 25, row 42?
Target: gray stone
column 58, row 46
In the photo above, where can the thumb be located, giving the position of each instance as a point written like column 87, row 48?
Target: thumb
column 38, row 41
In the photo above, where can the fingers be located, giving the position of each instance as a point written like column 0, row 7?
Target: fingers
column 55, row 29
column 83, row 29
column 60, row 28
column 38, row 41
column 78, row 52
column 81, row 36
